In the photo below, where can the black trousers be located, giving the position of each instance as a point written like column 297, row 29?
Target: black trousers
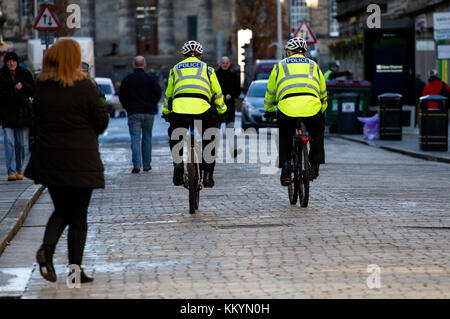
column 71, row 208
column 287, row 128
column 209, row 120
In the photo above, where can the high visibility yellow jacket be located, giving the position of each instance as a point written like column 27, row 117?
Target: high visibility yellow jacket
column 327, row 75
column 191, row 85
column 298, row 86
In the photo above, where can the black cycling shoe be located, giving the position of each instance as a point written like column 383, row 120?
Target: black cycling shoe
column 286, row 171
column 178, row 172
column 208, row 181
column 314, row 173
column 44, row 257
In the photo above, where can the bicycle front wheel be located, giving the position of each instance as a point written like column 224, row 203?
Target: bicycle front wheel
column 293, row 188
column 192, row 188
column 304, row 178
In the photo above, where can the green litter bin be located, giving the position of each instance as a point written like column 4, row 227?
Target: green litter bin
column 336, row 87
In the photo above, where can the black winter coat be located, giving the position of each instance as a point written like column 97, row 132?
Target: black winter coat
column 67, row 122
column 15, row 105
column 140, row 93
column 230, row 84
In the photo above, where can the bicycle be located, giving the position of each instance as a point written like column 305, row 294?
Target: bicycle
column 299, row 187
column 193, row 174
column 192, row 178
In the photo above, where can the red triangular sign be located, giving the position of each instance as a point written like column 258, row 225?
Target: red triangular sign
column 305, row 32
column 46, row 20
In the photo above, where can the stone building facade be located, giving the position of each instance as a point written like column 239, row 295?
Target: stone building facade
column 154, row 28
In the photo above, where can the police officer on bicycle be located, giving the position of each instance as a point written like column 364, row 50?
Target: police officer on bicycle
column 298, row 86
column 193, row 91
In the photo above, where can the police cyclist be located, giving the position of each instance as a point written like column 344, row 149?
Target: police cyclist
column 298, row 86
column 193, row 91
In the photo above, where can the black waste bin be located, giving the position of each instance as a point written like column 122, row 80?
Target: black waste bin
column 348, row 112
column 390, row 113
column 433, row 123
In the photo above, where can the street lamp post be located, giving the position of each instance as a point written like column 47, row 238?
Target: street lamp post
column 279, row 29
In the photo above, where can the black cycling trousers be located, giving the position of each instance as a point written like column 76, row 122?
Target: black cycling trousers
column 71, row 209
column 209, row 120
column 287, row 129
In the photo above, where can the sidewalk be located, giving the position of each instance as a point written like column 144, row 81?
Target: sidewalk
column 16, row 199
column 409, row 145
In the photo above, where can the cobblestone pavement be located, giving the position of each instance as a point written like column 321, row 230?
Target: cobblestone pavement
column 369, row 207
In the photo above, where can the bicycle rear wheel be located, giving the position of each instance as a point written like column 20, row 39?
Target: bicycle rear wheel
column 197, row 185
column 304, row 178
column 293, row 188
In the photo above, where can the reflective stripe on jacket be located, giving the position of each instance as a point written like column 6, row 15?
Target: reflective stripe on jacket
column 192, row 76
column 290, row 77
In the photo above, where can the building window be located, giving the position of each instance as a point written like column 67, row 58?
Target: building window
column 299, row 13
column 192, row 27
column 26, row 18
column 333, row 23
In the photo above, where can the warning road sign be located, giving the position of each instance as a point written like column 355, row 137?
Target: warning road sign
column 305, row 32
column 47, row 20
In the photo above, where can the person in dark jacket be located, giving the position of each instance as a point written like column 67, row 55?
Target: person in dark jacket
column 231, row 89
column 333, row 73
column 16, row 89
column 139, row 95
column 68, row 118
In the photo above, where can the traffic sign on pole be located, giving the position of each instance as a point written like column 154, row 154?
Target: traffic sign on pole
column 47, row 21
column 305, row 32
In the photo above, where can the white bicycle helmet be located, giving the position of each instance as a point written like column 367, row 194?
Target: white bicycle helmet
column 296, row 44
column 192, row 47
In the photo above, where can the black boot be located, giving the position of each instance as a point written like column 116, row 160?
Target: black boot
column 44, row 257
column 208, row 181
column 314, row 173
column 286, row 172
column 83, row 277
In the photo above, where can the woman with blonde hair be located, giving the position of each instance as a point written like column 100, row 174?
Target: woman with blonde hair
column 68, row 118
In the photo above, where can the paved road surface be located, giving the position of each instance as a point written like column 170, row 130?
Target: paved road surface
column 369, row 207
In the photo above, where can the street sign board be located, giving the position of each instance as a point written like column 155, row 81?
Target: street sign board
column 441, row 20
column 47, row 20
column 305, row 32
column 442, row 34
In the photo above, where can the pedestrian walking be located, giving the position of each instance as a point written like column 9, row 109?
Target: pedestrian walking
column 139, row 95
column 16, row 89
column 231, row 89
column 68, row 117
column 436, row 86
